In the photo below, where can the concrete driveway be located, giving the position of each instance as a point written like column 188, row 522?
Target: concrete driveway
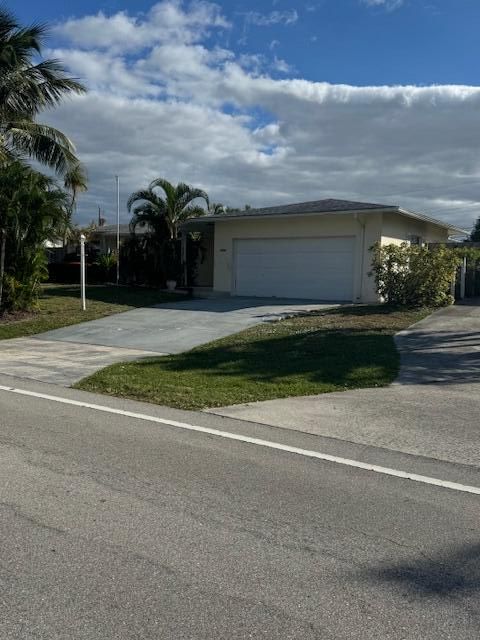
column 433, row 409
column 66, row 355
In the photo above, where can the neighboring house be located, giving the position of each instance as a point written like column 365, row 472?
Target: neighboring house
column 313, row 250
column 105, row 237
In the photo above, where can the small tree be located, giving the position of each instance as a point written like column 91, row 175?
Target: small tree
column 414, row 276
column 33, row 209
column 163, row 208
column 475, row 235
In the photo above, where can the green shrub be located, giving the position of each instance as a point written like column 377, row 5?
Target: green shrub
column 413, row 276
column 22, row 287
column 107, row 264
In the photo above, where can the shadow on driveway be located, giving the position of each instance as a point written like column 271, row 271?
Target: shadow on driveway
column 440, row 357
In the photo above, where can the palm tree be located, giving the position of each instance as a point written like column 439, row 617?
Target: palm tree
column 32, row 209
column 28, row 87
column 75, row 181
column 172, row 208
column 163, row 214
column 216, row 208
column 13, row 178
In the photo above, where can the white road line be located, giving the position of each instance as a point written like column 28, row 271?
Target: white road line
column 445, row 484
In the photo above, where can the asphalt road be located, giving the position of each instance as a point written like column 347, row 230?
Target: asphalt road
column 117, row 528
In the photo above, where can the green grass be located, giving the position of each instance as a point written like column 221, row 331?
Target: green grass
column 345, row 348
column 59, row 306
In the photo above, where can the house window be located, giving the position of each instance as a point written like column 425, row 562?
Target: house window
column 416, row 240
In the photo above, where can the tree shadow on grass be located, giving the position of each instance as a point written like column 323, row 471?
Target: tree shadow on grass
column 130, row 296
column 341, row 359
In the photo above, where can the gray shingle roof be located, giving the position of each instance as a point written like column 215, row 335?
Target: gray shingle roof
column 314, row 206
column 326, row 206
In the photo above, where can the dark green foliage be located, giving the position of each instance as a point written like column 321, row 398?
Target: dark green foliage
column 150, row 260
column 472, row 280
column 163, row 214
column 21, row 289
column 33, row 209
column 171, row 208
column 107, row 265
column 142, row 260
column 27, row 87
column 412, row 276
column 475, row 235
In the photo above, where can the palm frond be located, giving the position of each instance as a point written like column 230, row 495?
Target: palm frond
column 143, row 194
column 43, row 143
column 186, row 194
column 167, row 187
column 18, row 44
column 8, row 23
column 29, row 89
column 191, row 212
column 75, row 180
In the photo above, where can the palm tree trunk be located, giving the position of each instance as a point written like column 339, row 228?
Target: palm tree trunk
column 3, row 244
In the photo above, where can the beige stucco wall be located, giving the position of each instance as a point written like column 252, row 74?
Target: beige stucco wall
column 397, row 229
column 366, row 228
column 226, row 231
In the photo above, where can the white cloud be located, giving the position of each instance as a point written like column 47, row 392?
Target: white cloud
column 275, row 17
column 256, row 19
column 389, row 5
column 188, row 109
column 167, row 21
column 282, row 66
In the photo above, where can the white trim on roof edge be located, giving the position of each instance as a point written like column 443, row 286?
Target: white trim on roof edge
column 393, row 209
column 439, row 223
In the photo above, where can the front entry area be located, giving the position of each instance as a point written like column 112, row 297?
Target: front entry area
column 309, row 268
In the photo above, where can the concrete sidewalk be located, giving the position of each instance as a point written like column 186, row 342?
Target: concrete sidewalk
column 58, row 363
column 433, row 408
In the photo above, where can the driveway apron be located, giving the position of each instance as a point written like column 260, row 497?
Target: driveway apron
column 433, row 408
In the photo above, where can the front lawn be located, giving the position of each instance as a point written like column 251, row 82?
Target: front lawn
column 344, row 348
column 59, row 306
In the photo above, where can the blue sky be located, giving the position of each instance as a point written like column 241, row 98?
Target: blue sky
column 340, row 41
column 275, row 100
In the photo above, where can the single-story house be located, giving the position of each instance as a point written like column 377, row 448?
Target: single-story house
column 313, row 250
column 105, row 237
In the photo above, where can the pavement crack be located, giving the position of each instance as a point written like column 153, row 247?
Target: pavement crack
column 15, row 509
column 397, row 543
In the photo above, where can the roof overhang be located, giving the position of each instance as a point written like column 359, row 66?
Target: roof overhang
column 452, row 230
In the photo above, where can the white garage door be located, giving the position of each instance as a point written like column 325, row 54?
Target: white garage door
column 315, row 268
